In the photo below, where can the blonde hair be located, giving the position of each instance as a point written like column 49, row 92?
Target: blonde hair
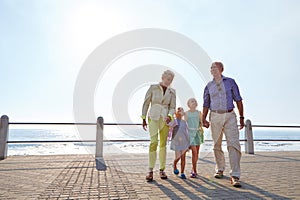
column 168, row 73
column 190, row 99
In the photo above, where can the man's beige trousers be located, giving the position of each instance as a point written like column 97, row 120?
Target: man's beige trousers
column 226, row 124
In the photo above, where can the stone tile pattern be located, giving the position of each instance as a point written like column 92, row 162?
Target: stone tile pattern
column 265, row 175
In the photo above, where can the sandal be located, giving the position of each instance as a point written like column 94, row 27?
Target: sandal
column 183, row 176
column 163, row 175
column 235, row 181
column 176, row 171
column 219, row 174
column 149, row 177
column 193, row 175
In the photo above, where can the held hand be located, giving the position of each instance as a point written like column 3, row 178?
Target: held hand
column 168, row 119
column 144, row 125
column 242, row 123
column 205, row 123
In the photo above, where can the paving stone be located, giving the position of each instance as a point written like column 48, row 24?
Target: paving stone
column 265, row 175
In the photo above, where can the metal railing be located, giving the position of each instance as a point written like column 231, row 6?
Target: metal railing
column 4, row 129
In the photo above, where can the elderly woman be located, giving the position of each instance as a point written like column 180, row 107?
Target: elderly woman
column 163, row 103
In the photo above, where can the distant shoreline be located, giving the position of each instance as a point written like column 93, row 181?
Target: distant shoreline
column 130, row 147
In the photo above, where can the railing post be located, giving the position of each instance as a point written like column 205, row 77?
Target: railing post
column 249, row 147
column 100, row 163
column 3, row 136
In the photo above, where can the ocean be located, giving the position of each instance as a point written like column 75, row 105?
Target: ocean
column 44, row 133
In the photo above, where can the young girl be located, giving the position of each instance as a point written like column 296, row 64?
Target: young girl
column 193, row 119
column 180, row 141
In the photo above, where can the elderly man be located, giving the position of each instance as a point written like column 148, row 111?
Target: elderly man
column 219, row 95
column 163, row 102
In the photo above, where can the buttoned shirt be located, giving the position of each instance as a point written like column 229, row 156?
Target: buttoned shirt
column 220, row 96
column 162, row 104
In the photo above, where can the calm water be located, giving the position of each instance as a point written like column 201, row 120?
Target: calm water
column 132, row 133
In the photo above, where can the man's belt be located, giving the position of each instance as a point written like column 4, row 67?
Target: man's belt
column 221, row 111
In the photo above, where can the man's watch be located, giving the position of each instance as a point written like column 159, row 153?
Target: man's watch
column 242, row 117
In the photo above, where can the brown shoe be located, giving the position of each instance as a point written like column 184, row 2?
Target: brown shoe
column 219, row 174
column 235, row 181
column 149, row 177
column 163, row 175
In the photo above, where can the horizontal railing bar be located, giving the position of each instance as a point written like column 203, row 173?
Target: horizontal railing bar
column 122, row 124
column 52, row 123
column 275, row 126
column 279, row 140
column 62, row 141
column 48, row 123
column 50, row 141
column 275, row 140
column 81, row 141
column 126, row 140
column 114, row 124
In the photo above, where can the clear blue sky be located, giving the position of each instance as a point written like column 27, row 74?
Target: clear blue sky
column 43, row 44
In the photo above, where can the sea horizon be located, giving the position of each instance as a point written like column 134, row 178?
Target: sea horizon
column 134, row 133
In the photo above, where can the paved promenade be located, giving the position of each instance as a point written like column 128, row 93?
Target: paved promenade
column 265, row 175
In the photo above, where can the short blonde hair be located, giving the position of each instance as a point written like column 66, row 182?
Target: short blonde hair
column 168, row 73
column 190, row 99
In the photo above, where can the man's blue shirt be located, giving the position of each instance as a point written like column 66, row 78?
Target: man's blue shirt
column 221, row 96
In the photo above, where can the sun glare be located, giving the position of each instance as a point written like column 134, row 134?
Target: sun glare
column 89, row 25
